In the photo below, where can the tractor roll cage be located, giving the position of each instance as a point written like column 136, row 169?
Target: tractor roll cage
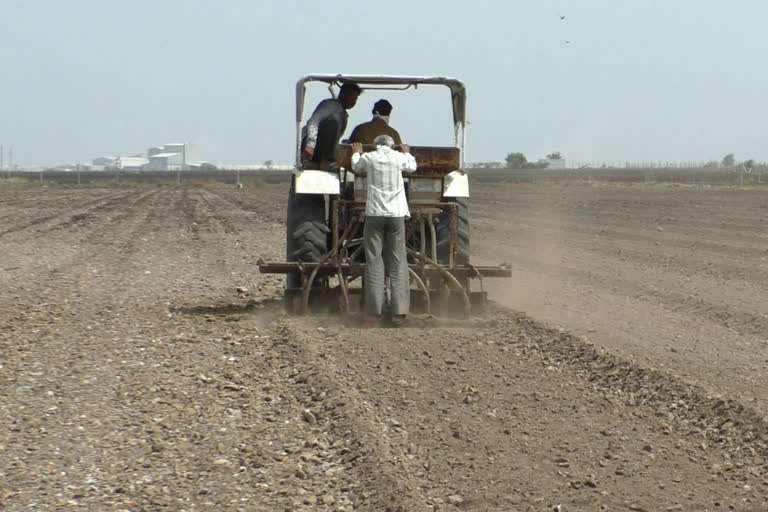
column 458, row 98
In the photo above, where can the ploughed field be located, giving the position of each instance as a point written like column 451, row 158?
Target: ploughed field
column 623, row 367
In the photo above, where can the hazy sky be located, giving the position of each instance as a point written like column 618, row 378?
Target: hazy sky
column 640, row 80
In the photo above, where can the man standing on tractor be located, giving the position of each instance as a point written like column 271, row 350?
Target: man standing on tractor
column 365, row 133
column 324, row 129
column 384, row 234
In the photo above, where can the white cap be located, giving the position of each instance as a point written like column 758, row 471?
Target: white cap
column 384, row 140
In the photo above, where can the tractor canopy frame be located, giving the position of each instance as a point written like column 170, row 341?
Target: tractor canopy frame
column 388, row 82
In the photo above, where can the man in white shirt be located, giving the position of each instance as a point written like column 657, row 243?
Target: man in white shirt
column 384, row 236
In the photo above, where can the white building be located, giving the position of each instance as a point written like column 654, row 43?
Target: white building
column 177, row 156
column 553, row 163
column 262, row 167
column 132, row 163
column 166, row 162
column 495, row 164
column 169, row 157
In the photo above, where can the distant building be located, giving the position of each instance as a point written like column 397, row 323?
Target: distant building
column 178, row 156
column 262, row 167
column 496, row 164
column 132, row 163
column 166, row 162
column 552, row 163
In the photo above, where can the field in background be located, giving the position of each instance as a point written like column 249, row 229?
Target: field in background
column 147, row 365
column 694, row 175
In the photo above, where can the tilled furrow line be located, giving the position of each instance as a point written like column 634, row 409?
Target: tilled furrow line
column 125, row 263
column 657, row 239
column 189, row 211
column 107, row 202
column 740, row 321
column 65, row 276
column 724, row 422
column 509, row 414
column 589, row 207
column 213, row 210
column 37, row 196
column 267, row 202
column 371, row 470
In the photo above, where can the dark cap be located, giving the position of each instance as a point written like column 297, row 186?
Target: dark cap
column 382, row 107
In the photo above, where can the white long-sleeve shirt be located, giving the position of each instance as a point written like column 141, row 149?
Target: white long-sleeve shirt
column 386, row 190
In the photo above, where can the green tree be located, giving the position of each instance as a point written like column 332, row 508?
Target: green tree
column 268, row 164
column 729, row 160
column 516, row 161
column 555, row 156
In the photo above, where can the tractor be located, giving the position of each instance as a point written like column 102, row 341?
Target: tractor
column 325, row 260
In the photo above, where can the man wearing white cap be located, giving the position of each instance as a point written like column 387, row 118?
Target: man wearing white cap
column 384, row 235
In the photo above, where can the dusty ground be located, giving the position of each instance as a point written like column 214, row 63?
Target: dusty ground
column 133, row 375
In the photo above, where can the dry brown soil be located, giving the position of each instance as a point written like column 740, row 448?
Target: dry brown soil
column 135, row 377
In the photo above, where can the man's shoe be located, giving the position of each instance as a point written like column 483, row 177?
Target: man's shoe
column 399, row 320
column 370, row 322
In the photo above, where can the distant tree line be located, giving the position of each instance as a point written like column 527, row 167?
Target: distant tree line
column 519, row 161
column 729, row 160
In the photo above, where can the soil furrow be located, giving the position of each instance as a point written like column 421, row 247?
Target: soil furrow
column 146, row 365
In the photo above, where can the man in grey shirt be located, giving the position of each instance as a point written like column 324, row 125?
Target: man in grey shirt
column 384, row 235
column 324, row 129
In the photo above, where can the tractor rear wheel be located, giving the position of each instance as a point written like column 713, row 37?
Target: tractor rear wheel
column 443, row 232
column 306, row 231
